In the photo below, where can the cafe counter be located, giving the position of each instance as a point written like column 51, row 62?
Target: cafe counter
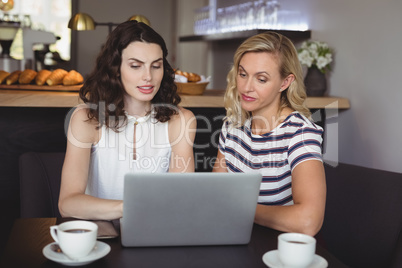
column 60, row 96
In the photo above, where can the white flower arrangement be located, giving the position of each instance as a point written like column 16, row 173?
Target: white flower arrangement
column 315, row 53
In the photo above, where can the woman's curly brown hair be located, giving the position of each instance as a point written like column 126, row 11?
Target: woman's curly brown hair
column 103, row 90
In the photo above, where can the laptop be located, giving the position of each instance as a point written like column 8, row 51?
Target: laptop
column 188, row 209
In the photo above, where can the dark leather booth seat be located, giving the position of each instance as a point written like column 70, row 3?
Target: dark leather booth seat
column 40, row 176
column 363, row 218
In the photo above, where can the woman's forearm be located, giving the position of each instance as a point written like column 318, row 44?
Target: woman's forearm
column 84, row 206
column 293, row 218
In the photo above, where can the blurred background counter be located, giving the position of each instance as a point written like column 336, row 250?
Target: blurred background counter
column 211, row 98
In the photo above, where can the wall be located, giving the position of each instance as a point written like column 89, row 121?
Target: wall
column 159, row 12
column 191, row 56
column 367, row 40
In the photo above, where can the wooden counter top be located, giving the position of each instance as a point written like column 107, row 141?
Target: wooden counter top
column 65, row 98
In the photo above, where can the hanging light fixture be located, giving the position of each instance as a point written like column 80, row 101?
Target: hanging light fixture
column 81, row 22
column 84, row 22
column 141, row 18
column 6, row 5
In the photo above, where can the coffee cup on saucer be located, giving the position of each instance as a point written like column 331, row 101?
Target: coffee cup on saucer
column 76, row 239
column 296, row 250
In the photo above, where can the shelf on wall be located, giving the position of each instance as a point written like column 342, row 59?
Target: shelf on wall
column 293, row 35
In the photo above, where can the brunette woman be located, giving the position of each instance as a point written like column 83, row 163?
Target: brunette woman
column 130, row 122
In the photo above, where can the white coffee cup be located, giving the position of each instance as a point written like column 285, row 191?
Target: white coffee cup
column 296, row 250
column 75, row 238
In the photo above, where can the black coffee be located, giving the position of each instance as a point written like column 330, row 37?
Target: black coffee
column 77, row 231
column 297, row 242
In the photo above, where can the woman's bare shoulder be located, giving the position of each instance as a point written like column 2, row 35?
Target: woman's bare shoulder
column 182, row 115
column 83, row 128
column 181, row 123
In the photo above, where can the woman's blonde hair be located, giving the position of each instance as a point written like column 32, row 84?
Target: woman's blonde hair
column 293, row 97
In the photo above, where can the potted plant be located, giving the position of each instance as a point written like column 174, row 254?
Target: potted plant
column 317, row 56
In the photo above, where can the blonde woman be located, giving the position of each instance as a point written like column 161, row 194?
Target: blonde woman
column 267, row 129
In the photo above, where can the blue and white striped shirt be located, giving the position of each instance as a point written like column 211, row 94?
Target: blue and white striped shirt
column 274, row 154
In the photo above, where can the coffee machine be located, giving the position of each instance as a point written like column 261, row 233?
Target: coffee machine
column 8, row 30
column 30, row 38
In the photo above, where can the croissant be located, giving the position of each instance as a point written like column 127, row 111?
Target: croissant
column 193, row 77
column 3, row 76
column 56, row 77
column 179, row 72
column 73, row 78
column 27, row 76
column 13, row 77
column 42, row 76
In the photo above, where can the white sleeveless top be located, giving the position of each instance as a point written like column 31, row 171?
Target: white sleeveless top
column 113, row 156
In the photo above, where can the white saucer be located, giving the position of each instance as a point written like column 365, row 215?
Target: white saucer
column 271, row 260
column 101, row 250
